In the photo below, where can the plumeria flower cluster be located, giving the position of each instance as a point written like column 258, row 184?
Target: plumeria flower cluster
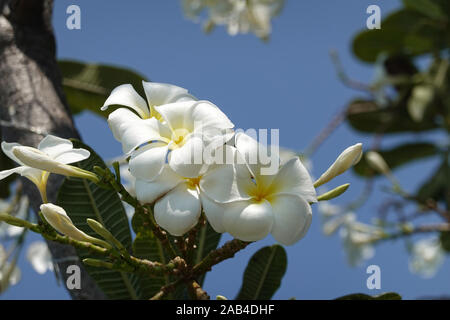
column 357, row 238
column 239, row 16
column 186, row 159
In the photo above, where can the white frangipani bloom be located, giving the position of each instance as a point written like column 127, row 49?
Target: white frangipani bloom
column 358, row 239
column 39, row 256
column 189, row 128
column 51, row 156
column 349, row 157
column 257, row 204
column 175, row 126
column 427, row 256
column 239, row 16
column 122, row 120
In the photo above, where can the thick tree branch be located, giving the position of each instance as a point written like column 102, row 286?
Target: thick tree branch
column 32, row 102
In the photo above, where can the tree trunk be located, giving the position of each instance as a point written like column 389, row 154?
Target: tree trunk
column 32, row 104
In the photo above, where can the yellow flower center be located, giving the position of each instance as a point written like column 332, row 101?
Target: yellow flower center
column 193, row 182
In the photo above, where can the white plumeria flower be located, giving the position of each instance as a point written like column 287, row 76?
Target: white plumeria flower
column 257, row 204
column 179, row 201
column 189, row 128
column 51, row 156
column 348, row 158
column 39, row 256
column 358, row 239
column 121, row 120
column 179, row 128
column 239, row 16
column 426, row 257
column 8, row 276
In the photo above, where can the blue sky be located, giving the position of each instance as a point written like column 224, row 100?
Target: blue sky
column 288, row 83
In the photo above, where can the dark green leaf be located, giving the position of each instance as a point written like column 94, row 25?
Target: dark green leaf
column 445, row 240
column 83, row 199
column 398, row 156
column 263, row 274
column 87, row 86
column 426, row 7
column 366, row 116
column 147, row 246
column 402, row 32
column 362, row 296
column 207, row 240
column 437, row 186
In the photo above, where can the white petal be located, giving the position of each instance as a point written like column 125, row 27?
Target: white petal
column 74, row 155
column 205, row 116
column 253, row 152
column 7, row 173
column 230, row 181
column 147, row 162
column 7, row 148
column 188, row 161
column 177, row 114
column 39, row 257
column 138, row 132
column 292, row 215
column 149, row 191
column 53, row 146
column 293, row 178
column 162, row 93
column 248, row 221
column 178, row 211
column 214, row 213
column 125, row 95
column 118, row 119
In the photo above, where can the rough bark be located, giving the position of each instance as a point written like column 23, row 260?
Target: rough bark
column 32, row 103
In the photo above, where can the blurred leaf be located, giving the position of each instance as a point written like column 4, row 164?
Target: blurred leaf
column 366, row 116
column 445, row 240
column 362, row 296
column 402, row 32
column 83, row 199
column 426, row 7
column 87, row 86
column 263, row 274
column 398, row 156
column 437, row 187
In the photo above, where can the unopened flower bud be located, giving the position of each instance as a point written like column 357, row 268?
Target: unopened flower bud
column 349, row 157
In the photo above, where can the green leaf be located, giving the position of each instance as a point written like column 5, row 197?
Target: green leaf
column 362, row 296
column 147, row 246
column 398, row 156
column 444, row 237
column 437, row 186
column 402, row 32
column 263, row 274
column 87, row 86
column 207, row 240
column 366, row 116
column 426, row 7
column 83, row 199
